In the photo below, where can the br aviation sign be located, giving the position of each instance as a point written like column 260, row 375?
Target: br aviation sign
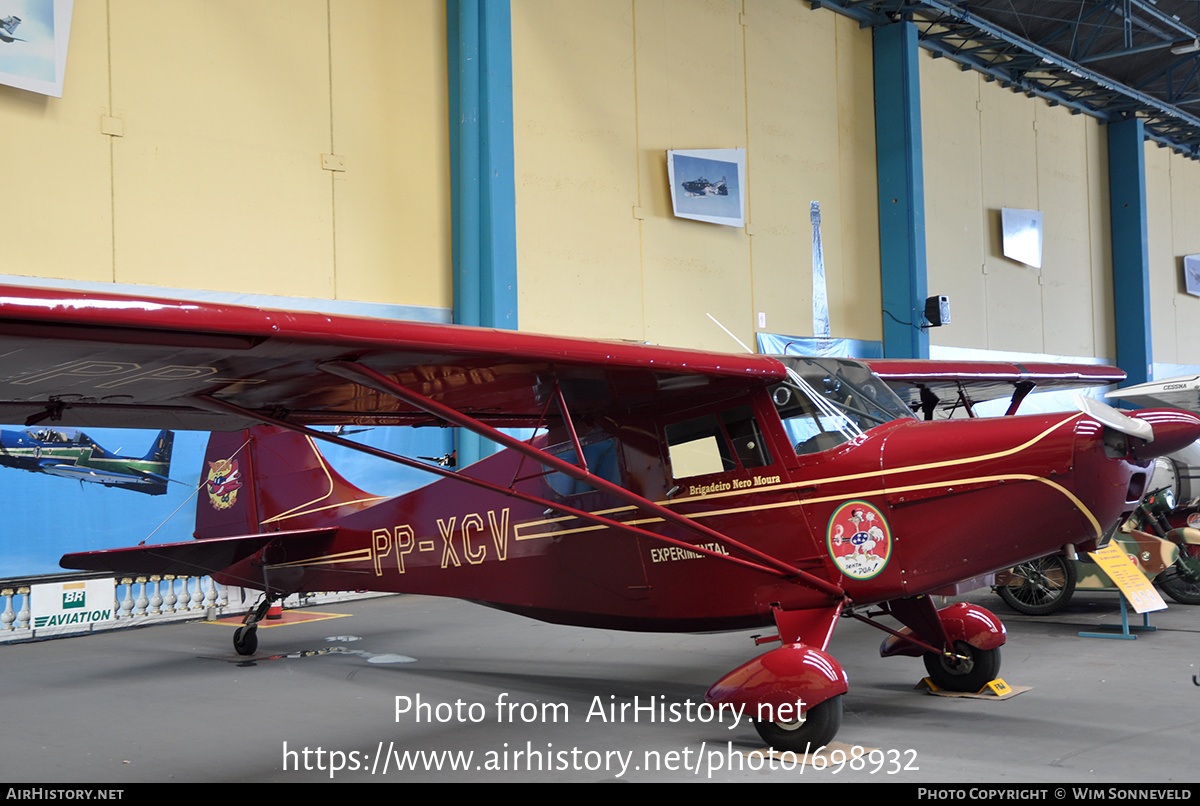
column 72, row 604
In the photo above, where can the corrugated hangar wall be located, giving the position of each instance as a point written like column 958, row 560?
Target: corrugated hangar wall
column 212, row 177
column 985, row 149
column 187, row 152
column 601, row 92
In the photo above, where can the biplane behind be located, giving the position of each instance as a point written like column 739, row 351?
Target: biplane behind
column 663, row 489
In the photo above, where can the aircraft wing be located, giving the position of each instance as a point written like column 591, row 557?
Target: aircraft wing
column 95, row 359
column 1177, row 393
column 71, row 471
column 930, row 385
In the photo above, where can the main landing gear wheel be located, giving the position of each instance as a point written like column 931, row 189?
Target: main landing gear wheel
column 1181, row 581
column 1040, row 587
column 245, row 640
column 820, row 725
column 972, row 672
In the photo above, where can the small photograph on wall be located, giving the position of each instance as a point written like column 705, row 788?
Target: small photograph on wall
column 709, row 185
column 33, row 44
column 1191, row 274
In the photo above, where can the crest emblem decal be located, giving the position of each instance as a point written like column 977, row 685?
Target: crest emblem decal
column 859, row 539
column 223, row 482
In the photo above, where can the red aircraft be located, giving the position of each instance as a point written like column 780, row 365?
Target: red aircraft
column 664, row 489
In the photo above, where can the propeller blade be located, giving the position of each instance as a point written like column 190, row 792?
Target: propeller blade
column 1114, row 419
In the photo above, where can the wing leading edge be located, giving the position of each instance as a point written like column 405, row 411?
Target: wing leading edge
column 92, row 359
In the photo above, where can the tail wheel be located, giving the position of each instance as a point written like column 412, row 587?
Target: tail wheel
column 1040, row 587
column 1181, row 581
column 817, row 729
column 245, row 640
column 970, row 672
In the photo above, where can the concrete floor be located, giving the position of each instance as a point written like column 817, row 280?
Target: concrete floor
column 174, row 703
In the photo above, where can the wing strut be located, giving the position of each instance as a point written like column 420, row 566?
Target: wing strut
column 1022, row 389
column 764, row 562
column 224, row 407
column 365, row 376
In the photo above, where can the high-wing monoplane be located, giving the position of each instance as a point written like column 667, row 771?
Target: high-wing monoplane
column 75, row 455
column 662, row 489
column 702, row 187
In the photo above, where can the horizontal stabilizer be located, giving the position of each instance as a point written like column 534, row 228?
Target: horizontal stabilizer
column 188, row 558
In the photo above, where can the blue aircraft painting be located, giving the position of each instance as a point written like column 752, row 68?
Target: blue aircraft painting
column 75, row 455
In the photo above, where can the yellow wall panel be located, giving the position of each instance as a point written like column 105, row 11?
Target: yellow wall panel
column 1163, row 288
column 1009, row 179
column 1067, row 270
column 794, row 141
column 1100, row 243
column 1185, row 240
column 390, row 123
column 856, row 307
column 226, row 113
column 575, row 150
column 690, row 97
column 57, row 168
column 211, row 176
column 956, row 233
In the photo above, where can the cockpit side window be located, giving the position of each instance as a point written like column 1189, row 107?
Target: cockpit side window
column 747, row 440
column 716, row 443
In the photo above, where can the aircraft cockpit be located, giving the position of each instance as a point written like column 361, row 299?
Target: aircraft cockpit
column 50, row 435
column 828, row 401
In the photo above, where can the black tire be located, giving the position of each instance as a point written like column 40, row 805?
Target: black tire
column 980, row 667
column 1040, row 587
column 820, row 725
column 245, row 640
column 1179, row 583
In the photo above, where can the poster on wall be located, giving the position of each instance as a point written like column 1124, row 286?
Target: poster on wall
column 33, row 44
column 1022, row 235
column 1191, row 274
column 709, row 185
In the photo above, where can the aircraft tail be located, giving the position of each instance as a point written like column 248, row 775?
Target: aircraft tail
column 268, row 479
column 160, row 451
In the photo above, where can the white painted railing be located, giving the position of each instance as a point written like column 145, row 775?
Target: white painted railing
column 144, row 600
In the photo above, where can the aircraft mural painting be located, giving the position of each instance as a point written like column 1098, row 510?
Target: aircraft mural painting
column 73, row 454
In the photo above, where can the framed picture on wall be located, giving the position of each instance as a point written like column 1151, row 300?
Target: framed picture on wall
column 709, row 185
column 1191, row 274
column 33, row 44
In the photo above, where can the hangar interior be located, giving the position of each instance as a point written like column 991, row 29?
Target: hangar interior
column 505, row 164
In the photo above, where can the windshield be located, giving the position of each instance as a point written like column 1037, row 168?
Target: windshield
column 828, row 401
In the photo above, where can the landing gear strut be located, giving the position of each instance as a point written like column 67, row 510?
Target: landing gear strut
column 245, row 639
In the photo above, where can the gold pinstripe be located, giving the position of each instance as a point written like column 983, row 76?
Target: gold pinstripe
column 300, row 509
column 829, row 480
column 365, row 554
column 328, row 559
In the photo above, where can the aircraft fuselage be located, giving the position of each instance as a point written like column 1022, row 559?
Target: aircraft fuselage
column 907, row 508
